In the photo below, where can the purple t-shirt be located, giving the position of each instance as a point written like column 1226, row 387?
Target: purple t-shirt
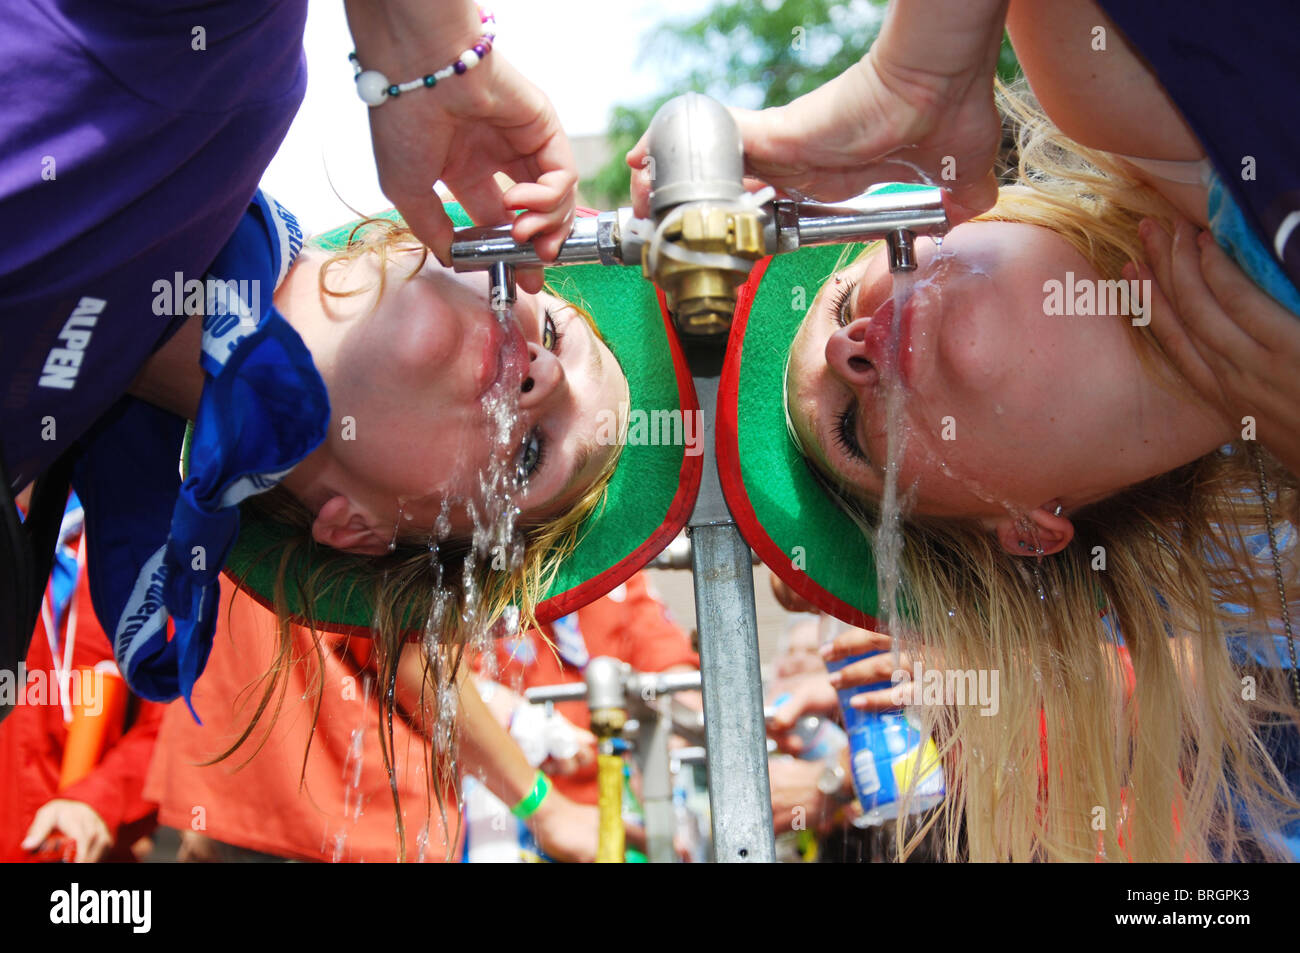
column 132, row 137
column 1234, row 73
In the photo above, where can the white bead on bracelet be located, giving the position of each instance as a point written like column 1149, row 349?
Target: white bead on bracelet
column 375, row 89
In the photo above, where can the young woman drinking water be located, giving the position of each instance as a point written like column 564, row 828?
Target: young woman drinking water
column 1067, row 492
column 377, row 453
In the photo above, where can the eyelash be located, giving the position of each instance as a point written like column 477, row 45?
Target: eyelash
column 549, row 325
column 522, row 477
column 842, row 297
column 844, row 436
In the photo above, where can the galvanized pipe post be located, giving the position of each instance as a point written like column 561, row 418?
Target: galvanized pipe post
column 740, row 798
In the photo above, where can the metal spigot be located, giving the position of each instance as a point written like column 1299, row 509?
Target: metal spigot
column 705, row 232
column 502, row 289
column 708, row 239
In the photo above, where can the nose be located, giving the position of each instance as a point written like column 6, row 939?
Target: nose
column 846, row 355
column 543, row 380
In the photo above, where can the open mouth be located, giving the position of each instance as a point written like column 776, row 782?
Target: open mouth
column 504, row 361
column 884, row 350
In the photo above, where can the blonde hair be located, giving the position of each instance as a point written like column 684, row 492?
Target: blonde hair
column 1078, row 764
column 441, row 596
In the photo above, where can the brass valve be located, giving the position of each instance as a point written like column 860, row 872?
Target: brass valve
column 703, row 299
column 608, row 722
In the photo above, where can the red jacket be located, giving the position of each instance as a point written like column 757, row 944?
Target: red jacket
column 32, row 740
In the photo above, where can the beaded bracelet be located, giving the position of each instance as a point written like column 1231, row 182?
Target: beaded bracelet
column 375, row 89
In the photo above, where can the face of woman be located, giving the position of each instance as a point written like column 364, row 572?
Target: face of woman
column 1006, row 405
column 414, row 372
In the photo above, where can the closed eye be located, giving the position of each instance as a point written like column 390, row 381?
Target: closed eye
column 846, row 434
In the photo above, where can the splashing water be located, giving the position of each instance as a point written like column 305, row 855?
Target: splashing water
column 889, row 534
column 495, row 544
column 352, row 796
column 896, row 501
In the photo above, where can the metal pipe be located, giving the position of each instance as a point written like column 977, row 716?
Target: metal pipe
column 610, row 238
column 665, row 683
column 866, row 217
column 572, row 692
column 740, row 797
column 900, row 246
column 502, row 291
column 593, row 239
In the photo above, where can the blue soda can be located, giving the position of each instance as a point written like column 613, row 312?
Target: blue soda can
column 888, row 756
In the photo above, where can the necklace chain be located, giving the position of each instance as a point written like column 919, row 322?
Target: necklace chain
column 1277, row 572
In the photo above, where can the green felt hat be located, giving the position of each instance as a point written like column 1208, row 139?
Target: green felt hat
column 784, row 513
column 650, row 495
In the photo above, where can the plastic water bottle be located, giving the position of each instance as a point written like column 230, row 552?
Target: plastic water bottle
column 888, row 756
column 821, row 738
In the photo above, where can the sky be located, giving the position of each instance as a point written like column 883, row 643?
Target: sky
column 582, row 53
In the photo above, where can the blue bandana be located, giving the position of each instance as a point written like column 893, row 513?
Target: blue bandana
column 156, row 546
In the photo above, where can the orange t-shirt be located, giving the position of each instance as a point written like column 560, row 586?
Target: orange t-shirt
column 263, row 806
column 630, row 624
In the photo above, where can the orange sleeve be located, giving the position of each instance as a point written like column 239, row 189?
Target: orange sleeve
column 651, row 641
column 114, row 788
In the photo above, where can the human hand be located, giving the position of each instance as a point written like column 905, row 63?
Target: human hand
column 569, row 832
column 885, row 667
column 789, row 600
column 810, row 694
column 577, row 747
column 76, row 820
column 875, row 122
column 566, row 830
column 1233, row 343
column 797, row 802
column 196, row 848
column 469, row 127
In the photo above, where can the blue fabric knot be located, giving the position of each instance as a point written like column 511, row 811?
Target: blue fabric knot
column 157, row 546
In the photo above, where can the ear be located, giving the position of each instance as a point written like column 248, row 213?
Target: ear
column 1048, row 534
column 342, row 525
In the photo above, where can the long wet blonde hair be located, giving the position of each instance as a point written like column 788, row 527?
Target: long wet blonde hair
column 1084, row 761
column 440, row 599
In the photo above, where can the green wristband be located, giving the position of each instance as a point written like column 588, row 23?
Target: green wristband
column 529, row 805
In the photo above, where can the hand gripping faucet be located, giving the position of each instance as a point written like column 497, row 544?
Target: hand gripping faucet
column 705, row 231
